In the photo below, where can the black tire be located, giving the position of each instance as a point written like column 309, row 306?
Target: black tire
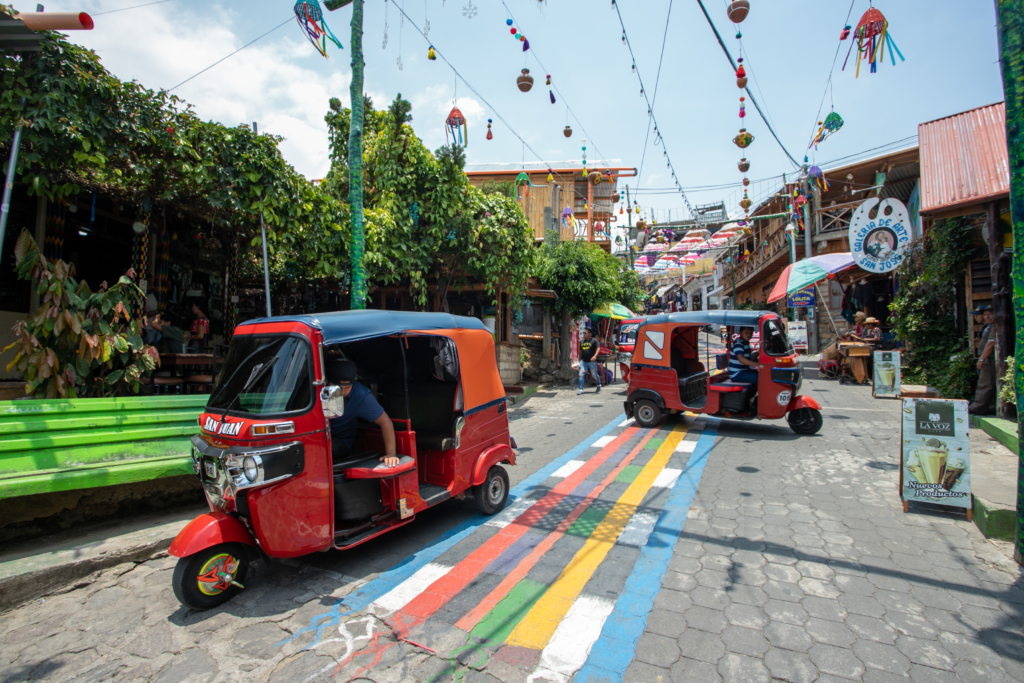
column 187, row 586
column 492, row 495
column 647, row 413
column 805, row 421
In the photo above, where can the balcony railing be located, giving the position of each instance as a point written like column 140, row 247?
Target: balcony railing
column 836, row 219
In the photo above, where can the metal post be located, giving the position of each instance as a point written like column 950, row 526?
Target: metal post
column 12, row 165
column 355, row 162
column 733, row 269
column 812, row 323
column 590, row 209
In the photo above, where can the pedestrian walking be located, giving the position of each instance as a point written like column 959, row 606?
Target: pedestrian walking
column 985, row 395
column 588, row 352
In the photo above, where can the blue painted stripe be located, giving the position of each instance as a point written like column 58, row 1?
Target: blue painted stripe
column 387, row 580
column 615, row 649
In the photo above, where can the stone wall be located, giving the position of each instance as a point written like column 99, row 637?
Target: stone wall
column 508, row 363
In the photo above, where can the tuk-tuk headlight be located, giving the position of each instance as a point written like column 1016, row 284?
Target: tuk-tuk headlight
column 250, row 470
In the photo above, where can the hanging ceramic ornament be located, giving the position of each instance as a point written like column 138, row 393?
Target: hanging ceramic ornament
column 846, row 33
column 490, row 136
column 567, row 132
column 743, row 139
column 548, row 81
column 456, row 125
column 431, row 55
column 871, row 37
column 832, row 123
column 746, row 182
column 744, row 165
column 745, row 203
column 508, row 22
column 525, row 81
column 595, row 177
column 738, row 10
column 741, row 74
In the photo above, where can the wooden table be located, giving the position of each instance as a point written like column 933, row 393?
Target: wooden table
column 857, row 353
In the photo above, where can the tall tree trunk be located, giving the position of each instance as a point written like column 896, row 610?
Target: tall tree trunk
column 1010, row 22
column 565, row 347
column 355, row 161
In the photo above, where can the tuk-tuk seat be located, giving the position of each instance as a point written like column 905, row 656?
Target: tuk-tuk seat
column 373, row 468
column 434, row 442
column 730, row 386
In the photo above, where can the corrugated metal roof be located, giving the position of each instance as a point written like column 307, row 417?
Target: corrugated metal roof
column 964, row 159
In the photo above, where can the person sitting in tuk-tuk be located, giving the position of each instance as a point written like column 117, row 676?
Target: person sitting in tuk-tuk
column 359, row 403
column 741, row 367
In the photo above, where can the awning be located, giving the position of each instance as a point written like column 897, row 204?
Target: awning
column 663, row 290
column 541, row 294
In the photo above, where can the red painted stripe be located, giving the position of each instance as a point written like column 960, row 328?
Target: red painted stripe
column 447, row 587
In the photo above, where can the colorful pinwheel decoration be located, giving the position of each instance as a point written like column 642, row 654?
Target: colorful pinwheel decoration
column 455, row 124
column 831, row 125
column 311, row 19
column 818, row 178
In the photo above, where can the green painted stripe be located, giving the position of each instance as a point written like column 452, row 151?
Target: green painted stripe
column 92, row 405
column 84, row 478
column 494, row 628
column 654, row 443
column 24, row 426
column 586, row 523
column 27, row 463
column 31, row 442
column 629, row 473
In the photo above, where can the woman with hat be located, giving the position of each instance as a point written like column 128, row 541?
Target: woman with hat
column 873, row 334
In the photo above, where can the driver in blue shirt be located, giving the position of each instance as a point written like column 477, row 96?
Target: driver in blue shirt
column 359, row 403
column 741, row 367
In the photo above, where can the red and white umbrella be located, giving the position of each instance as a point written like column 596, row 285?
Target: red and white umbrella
column 654, row 247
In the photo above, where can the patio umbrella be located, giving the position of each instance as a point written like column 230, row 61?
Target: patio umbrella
column 612, row 310
column 809, row 271
column 654, row 246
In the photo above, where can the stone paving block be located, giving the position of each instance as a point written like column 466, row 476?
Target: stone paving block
column 788, row 637
column 924, row 674
column 829, row 632
column 673, row 601
column 705, row 619
column 735, row 668
column 915, row 625
column 639, row 671
column 824, row 608
column 836, row 661
column 666, row 623
column 657, row 650
column 974, row 673
column 688, row 670
column 789, row 666
column 925, row 652
column 882, row 657
column 744, row 641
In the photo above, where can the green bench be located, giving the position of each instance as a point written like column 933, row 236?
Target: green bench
column 62, row 445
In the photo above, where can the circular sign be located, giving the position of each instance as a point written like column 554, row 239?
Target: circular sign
column 783, row 398
column 878, row 243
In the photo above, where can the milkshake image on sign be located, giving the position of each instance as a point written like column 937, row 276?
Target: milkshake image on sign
column 954, row 468
column 932, row 460
column 887, row 373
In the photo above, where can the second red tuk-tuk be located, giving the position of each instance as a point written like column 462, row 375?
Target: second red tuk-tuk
column 669, row 372
column 264, row 455
column 626, row 343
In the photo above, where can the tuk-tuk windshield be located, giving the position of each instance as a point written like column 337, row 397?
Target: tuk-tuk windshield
column 627, row 333
column 285, row 387
column 774, row 341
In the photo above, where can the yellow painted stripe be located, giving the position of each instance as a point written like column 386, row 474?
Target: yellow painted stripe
column 538, row 626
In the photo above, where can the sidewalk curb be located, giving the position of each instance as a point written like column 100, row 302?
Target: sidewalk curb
column 21, row 588
column 1003, row 431
column 995, row 521
column 516, row 399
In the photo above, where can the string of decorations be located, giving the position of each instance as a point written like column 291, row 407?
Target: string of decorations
column 738, row 11
column 871, row 37
column 311, row 20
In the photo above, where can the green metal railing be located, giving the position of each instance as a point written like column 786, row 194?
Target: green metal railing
column 64, row 445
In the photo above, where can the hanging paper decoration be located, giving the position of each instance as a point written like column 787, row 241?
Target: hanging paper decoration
column 431, row 55
column 526, row 44
column 456, row 125
column 738, row 10
column 523, row 185
column 568, row 219
column 743, row 139
column 741, row 74
column 832, row 123
column 490, row 136
column 871, row 37
column 846, row 33
column 525, row 81
column 548, row 82
column 551, row 178
column 552, row 94
column 743, row 108
column 311, row 19
column 818, row 177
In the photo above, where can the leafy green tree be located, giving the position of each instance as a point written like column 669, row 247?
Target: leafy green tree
column 583, row 276
column 632, row 292
column 79, row 343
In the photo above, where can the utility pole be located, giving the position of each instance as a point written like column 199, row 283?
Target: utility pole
column 812, row 323
column 358, row 291
column 1010, row 24
column 263, row 234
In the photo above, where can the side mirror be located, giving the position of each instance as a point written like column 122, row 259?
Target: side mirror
column 333, row 401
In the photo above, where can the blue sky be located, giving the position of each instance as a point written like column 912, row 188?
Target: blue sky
column 282, row 82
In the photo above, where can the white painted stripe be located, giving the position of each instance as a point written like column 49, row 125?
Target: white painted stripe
column 568, row 468
column 399, row 596
column 666, row 479
column 639, row 528
column 627, row 423
column 686, row 446
column 509, row 514
column 567, row 652
column 603, row 441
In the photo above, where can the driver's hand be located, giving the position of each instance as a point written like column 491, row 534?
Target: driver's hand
column 389, row 460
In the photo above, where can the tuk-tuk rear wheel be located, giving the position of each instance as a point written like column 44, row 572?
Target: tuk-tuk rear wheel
column 647, row 413
column 210, row 577
column 492, row 495
column 805, row 421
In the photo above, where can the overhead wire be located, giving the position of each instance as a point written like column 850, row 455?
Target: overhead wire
column 654, row 99
column 650, row 106
column 125, row 9
column 288, row 20
column 831, row 71
column 749, row 94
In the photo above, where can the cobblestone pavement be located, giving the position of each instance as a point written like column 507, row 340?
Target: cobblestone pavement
column 704, row 551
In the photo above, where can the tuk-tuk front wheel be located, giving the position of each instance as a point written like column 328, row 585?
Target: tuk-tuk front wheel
column 647, row 413
column 492, row 495
column 805, row 421
column 210, row 577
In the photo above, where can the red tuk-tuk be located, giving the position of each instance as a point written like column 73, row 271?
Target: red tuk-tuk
column 264, row 455
column 668, row 375
column 627, row 342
